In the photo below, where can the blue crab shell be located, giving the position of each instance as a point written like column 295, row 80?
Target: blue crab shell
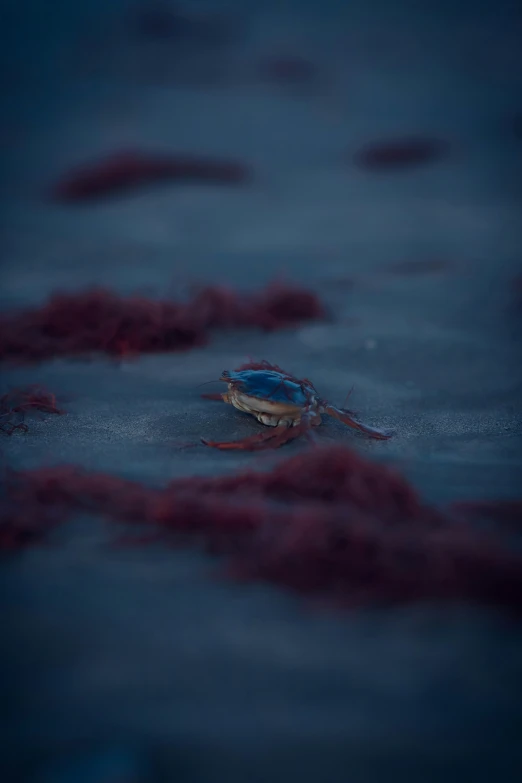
column 271, row 386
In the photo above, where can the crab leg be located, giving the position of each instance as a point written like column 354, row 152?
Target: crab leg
column 216, row 396
column 347, row 418
column 262, row 440
column 272, row 437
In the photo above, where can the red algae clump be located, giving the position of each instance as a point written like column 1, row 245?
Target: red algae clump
column 128, row 170
column 15, row 404
column 326, row 523
column 100, row 320
column 401, row 153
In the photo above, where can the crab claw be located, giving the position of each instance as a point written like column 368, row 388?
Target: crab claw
column 347, row 418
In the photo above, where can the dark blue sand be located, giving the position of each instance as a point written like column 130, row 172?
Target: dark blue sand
column 138, row 664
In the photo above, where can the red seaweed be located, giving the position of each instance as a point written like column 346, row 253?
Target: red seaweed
column 14, row 406
column 262, row 365
column 326, row 523
column 99, row 320
column 401, row 153
column 129, row 170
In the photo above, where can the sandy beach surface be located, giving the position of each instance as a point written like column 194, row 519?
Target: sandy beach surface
column 139, row 664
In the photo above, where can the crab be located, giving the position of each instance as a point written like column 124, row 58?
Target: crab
column 289, row 407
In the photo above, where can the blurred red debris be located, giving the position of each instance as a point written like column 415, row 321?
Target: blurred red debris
column 260, row 365
column 326, row 522
column 126, row 171
column 401, row 153
column 102, row 321
column 14, row 406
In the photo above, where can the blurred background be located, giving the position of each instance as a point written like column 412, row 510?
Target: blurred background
column 378, row 146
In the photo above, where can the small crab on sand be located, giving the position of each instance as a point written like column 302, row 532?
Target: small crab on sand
column 289, row 406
